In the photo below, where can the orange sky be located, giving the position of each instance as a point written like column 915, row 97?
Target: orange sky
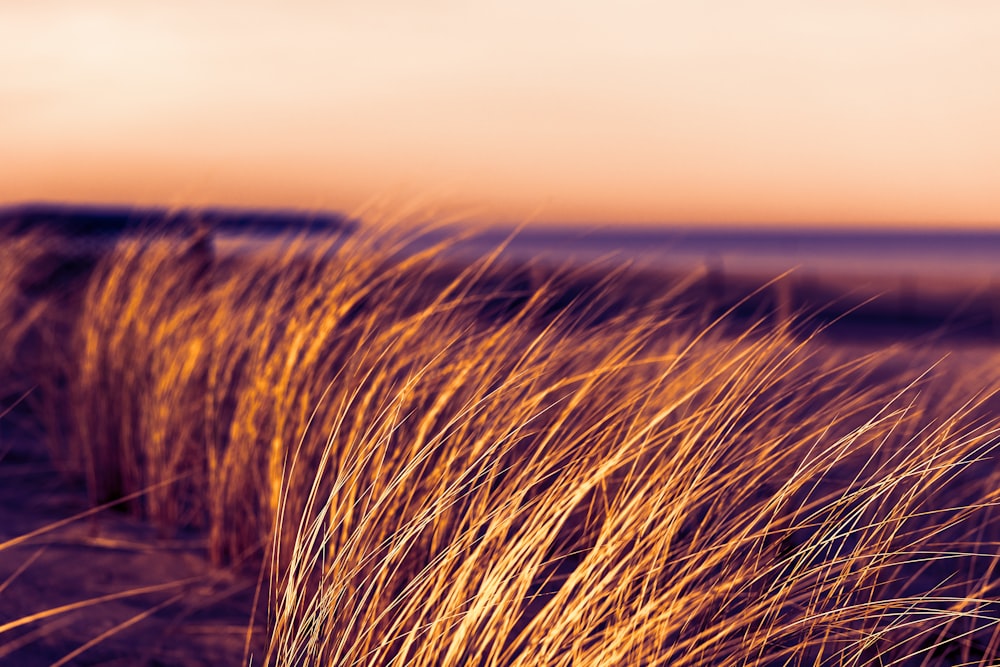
column 799, row 111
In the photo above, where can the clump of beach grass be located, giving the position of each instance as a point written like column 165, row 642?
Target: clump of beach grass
column 620, row 500
column 425, row 485
column 20, row 260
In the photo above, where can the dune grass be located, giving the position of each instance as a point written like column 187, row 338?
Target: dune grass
column 479, row 470
column 20, row 259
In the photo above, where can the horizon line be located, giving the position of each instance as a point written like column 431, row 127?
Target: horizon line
column 505, row 223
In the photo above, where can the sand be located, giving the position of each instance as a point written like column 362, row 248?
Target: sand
column 199, row 617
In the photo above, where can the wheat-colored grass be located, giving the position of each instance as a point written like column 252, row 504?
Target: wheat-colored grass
column 443, row 472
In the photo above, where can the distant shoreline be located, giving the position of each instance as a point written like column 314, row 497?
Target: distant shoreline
column 916, row 282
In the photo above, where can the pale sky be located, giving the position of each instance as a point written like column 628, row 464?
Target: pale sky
column 724, row 111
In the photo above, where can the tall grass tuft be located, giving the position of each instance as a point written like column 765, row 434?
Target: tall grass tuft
column 624, row 499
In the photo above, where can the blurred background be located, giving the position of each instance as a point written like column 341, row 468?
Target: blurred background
column 779, row 112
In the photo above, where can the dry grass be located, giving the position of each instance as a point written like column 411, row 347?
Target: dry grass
column 20, row 259
column 429, row 486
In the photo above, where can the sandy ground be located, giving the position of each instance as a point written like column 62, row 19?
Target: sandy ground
column 199, row 615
